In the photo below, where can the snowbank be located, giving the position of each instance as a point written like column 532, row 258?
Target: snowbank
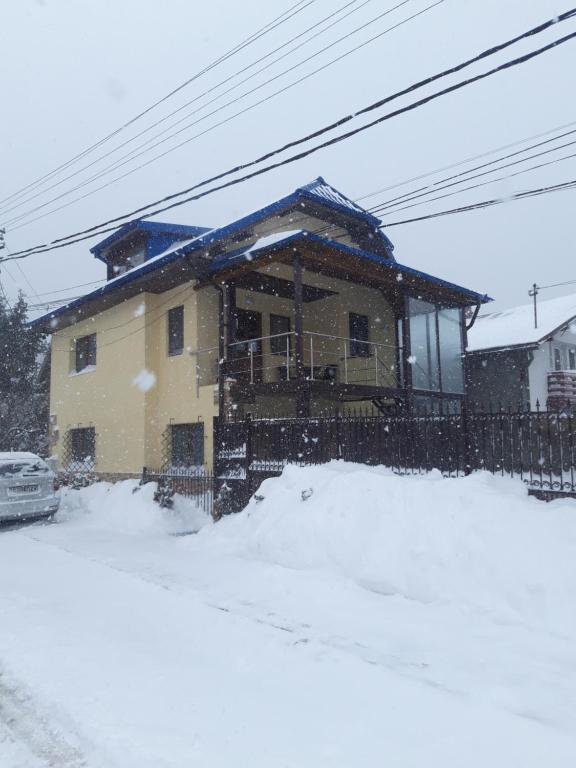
column 128, row 507
column 476, row 541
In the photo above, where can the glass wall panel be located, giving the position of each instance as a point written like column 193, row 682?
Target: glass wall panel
column 423, row 346
column 451, row 352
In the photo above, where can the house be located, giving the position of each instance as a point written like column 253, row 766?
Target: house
column 513, row 362
column 298, row 309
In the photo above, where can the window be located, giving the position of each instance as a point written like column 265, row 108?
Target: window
column 436, row 353
column 359, row 333
column 572, row 359
column 176, row 331
column 279, row 324
column 424, row 346
column 85, row 352
column 187, row 444
column 451, row 352
column 82, row 445
column 557, row 359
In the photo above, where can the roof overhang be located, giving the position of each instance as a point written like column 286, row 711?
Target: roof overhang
column 155, row 276
column 192, row 262
column 335, row 259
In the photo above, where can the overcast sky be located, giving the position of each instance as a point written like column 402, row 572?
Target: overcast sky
column 72, row 71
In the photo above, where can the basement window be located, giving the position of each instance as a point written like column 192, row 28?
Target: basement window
column 85, row 352
column 80, row 448
column 187, row 445
column 176, row 330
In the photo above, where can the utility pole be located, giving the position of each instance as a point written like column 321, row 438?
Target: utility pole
column 534, row 292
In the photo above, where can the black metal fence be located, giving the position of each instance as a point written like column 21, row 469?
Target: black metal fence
column 539, row 447
column 198, row 486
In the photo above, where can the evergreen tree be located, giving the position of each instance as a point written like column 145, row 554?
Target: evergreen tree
column 23, row 396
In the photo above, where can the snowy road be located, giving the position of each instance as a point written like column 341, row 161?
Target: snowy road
column 131, row 648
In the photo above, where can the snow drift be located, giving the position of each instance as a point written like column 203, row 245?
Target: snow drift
column 476, row 541
column 127, row 507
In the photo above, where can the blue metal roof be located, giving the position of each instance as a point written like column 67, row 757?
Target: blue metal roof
column 320, row 191
column 317, row 191
column 162, row 235
column 232, row 257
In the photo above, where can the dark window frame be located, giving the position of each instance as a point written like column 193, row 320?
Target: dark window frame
column 359, row 326
column 278, row 344
column 187, row 444
column 85, row 352
column 175, row 330
column 82, row 443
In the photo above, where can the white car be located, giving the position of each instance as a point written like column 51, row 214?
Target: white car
column 28, row 487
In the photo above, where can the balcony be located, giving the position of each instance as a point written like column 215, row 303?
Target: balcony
column 326, row 358
column 561, row 390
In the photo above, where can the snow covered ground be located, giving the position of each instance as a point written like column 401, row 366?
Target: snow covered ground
column 349, row 617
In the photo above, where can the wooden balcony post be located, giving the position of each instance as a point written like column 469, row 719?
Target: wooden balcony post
column 302, row 392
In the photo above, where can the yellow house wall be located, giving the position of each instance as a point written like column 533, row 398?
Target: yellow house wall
column 132, row 337
column 106, row 397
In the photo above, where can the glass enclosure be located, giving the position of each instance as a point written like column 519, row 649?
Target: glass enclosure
column 451, row 352
column 436, row 353
column 424, row 346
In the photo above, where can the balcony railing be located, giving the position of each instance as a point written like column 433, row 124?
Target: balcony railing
column 272, row 359
column 326, row 357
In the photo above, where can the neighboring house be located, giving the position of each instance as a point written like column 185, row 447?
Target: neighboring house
column 512, row 363
column 298, row 309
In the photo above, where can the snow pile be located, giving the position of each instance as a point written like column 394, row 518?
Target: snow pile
column 127, row 507
column 479, row 542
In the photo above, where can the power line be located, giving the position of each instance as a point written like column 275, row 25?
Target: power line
column 188, row 103
column 233, row 170
column 564, row 186
column 557, row 285
column 435, row 186
column 135, row 154
column 281, row 19
column 71, row 287
column 400, row 207
column 469, row 159
column 97, row 229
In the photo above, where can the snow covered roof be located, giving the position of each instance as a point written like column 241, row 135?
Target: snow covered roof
column 321, row 189
column 515, row 327
column 161, row 235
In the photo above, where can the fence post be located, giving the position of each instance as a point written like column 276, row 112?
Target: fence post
column 248, row 434
column 466, row 439
column 338, row 435
column 216, row 445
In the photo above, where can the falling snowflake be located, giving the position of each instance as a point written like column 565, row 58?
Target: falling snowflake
column 140, row 309
column 412, row 359
column 145, row 380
